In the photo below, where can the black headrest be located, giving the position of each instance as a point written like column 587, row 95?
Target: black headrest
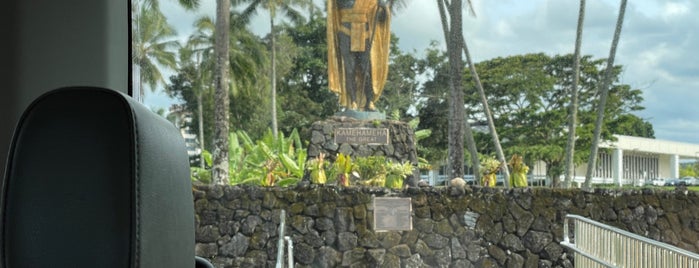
column 95, row 179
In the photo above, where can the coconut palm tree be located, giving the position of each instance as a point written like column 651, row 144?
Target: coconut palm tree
column 243, row 60
column 604, row 92
column 220, row 167
column 573, row 112
column 152, row 45
column 457, row 114
column 145, row 29
column 458, row 125
column 287, row 8
column 197, row 52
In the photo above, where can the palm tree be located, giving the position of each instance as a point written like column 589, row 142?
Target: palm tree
column 273, row 6
column 457, row 114
column 152, row 42
column 243, row 60
column 197, row 52
column 220, row 169
column 458, row 125
column 573, row 116
column 146, row 27
column 604, row 92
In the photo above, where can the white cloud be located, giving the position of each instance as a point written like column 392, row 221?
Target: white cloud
column 673, row 9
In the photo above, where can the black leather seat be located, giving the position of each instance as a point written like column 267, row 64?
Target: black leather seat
column 95, row 179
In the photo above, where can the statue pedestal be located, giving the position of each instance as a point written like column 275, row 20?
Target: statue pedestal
column 394, row 140
column 361, row 115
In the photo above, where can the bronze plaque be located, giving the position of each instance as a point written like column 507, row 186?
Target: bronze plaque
column 373, row 136
column 392, row 214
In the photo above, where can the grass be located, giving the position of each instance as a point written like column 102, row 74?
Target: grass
column 668, row 188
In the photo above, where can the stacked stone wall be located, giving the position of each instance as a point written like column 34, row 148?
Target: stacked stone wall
column 237, row 226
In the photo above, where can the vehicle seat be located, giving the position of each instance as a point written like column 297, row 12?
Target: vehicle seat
column 95, row 179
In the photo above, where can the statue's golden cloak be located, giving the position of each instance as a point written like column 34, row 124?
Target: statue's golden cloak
column 378, row 54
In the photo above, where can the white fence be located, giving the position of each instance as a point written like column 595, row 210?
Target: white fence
column 600, row 245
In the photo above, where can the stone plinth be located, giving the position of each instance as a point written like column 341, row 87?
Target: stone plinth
column 365, row 139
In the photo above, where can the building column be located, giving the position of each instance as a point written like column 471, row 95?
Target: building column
column 618, row 166
column 674, row 166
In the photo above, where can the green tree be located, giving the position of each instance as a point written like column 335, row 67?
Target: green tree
column 434, row 95
column 604, row 91
column 304, row 94
column 287, row 8
column 194, row 84
column 529, row 102
column 400, row 93
column 197, row 54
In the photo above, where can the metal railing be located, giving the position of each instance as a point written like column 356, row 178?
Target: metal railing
column 600, row 245
column 280, row 244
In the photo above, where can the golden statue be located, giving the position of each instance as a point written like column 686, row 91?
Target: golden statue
column 358, row 44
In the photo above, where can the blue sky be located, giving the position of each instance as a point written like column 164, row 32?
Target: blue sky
column 658, row 45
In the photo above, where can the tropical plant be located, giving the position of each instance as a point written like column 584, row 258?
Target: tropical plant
column 340, row 170
column 201, row 174
column 489, row 168
column 270, row 161
column 316, row 167
column 396, row 174
column 372, row 170
column 519, row 169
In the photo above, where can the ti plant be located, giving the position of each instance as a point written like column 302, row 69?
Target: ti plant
column 372, row 170
column 397, row 173
column 489, row 168
column 518, row 178
column 317, row 168
column 341, row 169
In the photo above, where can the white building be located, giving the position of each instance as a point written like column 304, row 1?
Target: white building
column 629, row 160
column 634, row 160
column 183, row 120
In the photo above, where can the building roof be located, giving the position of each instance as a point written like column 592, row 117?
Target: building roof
column 647, row 145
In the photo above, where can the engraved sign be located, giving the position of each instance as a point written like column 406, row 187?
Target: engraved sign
column 373, row 136
column 392, row 214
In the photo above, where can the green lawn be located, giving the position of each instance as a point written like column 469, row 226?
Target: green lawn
column 669, row 188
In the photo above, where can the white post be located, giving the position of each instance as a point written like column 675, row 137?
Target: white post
column 290, row 248
column 618, row 166
column 280, row 245
column 674, row 166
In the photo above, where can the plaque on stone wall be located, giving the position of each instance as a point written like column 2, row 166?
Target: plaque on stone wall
column 372, row 136
column 392, row 214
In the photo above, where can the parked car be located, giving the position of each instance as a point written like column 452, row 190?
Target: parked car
column 656, row 182
column 688, row 181
column 672, row 182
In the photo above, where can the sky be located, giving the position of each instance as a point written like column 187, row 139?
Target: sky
column 658, row 44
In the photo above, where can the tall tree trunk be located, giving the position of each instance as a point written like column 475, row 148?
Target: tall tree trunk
column 603, row 97
column 221, row 111
column 488, row 114
column 573, row 111
column 456, row 101
column 274, row 79
column 200, row 115
column 470, row 141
